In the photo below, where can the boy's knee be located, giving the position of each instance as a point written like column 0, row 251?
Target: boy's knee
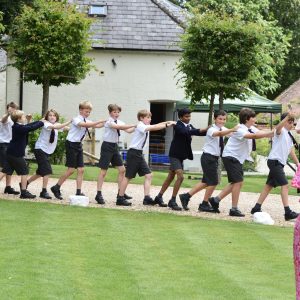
column 80, row 170
column 148, row 176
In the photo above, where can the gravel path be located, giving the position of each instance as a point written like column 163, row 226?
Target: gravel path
column 272, row 205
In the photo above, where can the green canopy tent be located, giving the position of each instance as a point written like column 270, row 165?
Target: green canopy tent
column 258, row 103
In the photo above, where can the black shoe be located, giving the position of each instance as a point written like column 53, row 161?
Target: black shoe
column 184, row 199
column 122, row 201
column 204, row 206
column 255, row 210
column 99, row 199
column 214, row 204
column 45, row 195
column 148, row 201
column 56, row 192
column 80, row 194
column 127, row 197
column 27, row 195
column 290, row 215
column 235, row 213
column 173, row 205
column 9, row 190
column 159, row 200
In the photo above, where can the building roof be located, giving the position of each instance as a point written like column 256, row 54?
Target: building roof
column 291, row 96
column 136, row 24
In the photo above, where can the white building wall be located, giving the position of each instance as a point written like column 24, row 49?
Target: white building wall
column 2, row 92
column 137, row 78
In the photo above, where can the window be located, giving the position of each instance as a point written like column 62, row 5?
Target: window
column 98, row 10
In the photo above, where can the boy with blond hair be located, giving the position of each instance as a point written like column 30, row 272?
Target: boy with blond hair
column 16, row 149
column 136, row 163
column 74, row 152
column 6, row 124
column 109, row 149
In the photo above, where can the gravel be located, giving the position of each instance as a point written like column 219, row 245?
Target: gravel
column 272, row 205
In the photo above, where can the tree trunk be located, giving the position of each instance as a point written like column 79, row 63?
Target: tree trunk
column 45, row 96
column 211, row 109
column 221, row 100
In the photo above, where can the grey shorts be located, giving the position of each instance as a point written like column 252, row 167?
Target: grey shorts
column 110, row 154
column 74, row 155
column 209, row 165
column 136, row 164
column 234, row 169
column 175, row 164
column 43, row 162
column 276, row 175
column 3, row 159
column 17, row 164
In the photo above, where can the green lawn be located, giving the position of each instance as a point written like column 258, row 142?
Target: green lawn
column 251, row 184
column 51, row 251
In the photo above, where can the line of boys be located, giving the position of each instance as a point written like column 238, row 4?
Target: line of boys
column 235, row 153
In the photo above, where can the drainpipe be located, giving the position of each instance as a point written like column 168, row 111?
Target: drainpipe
column 21, row 90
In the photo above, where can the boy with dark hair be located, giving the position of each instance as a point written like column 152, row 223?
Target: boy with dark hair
column 236, row 151
column 109, row 149
column 74, row 152
column 16, row 149
column 212, row 150
column 282, row 147
column 6, row 124
column 180, row 150
column 135, row 160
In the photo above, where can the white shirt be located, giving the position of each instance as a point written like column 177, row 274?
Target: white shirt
column 111, row 134
column 43, row 140
column 212, row 144
column 282, row 145
column 76, row 132
column 6, row 131
column 139, row 136
column 238, row 146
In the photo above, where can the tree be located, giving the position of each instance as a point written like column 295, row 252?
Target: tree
column 287, row 13
column 282, row 17
column 49, row 42
column 223, row 56
column 11, row 9
column 1, row 25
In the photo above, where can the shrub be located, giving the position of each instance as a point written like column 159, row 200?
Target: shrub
column 58, row 157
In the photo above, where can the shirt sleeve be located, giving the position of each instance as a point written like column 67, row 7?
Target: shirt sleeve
column 76, row 121
column 141, row 127
column 211, row 131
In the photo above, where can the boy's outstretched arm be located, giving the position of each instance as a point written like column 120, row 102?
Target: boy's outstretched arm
column 160, row 126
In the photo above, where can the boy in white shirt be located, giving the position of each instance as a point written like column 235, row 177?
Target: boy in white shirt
column 212, row 150
column 282, row 147
column 109, row 149
column 236, row 151
column 44, row 147
column 74, row 152
column 135, row 160
column 5, row 137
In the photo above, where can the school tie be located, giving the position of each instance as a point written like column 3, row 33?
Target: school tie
column 52, row 136
column 86, row 131
column 145, row 140
column 118, row 130
column 294, row 141
column 221, row 143
column 253, row 141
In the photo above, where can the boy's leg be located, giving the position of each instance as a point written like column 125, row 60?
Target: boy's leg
column 79, row 179
column 56, row 188
column 24, row 193
column 262, row 197
column 205, row 205
column 179, row 179
column 99, row 198
column 120, row 198
column 288, row 213
column 8, row 189
column 121, row 175
column 44, row 194
column 159, row 198
column 2, row 175
column 33, row 178
column 147, row 184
